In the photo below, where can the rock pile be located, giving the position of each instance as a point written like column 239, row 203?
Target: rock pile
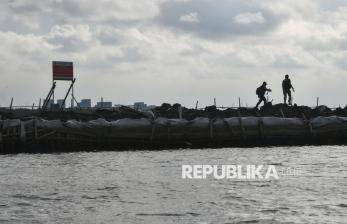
column 172, row 111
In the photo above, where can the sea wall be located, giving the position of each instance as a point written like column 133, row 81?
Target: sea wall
column 36, row 135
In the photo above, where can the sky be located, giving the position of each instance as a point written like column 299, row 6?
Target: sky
column 175, row 50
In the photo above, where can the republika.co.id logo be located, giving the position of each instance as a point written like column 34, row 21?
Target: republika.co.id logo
column 237, row 172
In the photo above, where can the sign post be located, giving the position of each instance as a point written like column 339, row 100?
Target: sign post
column 63, row 71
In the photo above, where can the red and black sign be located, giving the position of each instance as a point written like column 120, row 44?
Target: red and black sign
column 62, row 70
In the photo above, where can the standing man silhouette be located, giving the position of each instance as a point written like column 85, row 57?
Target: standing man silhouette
column 261, row 90
column 286, row 87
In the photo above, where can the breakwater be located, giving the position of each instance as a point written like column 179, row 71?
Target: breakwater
column 41, row 135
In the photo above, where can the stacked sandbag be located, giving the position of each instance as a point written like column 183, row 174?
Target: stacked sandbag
column 99, row 127
column 78, row 127
column 161, row 128
column 243, row 126
column 199, row 128
column 131, row 128
column 29, row 124
column 275, row 126
column 11, row 126
column 11, row 123
column 75, row 125
column 220, row 129
column 328, row 124
column 52, row 125
column 177, row 128
column 27, row 127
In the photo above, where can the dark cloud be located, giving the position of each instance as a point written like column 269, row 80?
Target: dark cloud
column 38, row 17
column 23, row 7
column 222, row 18
column 332, row 4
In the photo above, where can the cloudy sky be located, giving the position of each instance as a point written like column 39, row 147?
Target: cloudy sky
column 175, row 50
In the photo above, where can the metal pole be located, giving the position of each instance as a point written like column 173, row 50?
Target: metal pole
column 180, row 112
column 72, row 98
column 46, row 101
column 77, row 104
column 214, row 101
column 282, row 113
column 67, row 94
column 11, row 103
column 239, row 102
column 196, row 105
column 317, row 101
column 52, row 84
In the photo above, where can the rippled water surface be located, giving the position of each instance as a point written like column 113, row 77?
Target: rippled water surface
column 146, row 187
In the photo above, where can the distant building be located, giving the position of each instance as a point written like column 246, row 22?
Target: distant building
column 85, row 103
column 60, row 102
column 140, row 106
column 49, row 104
column 104, row 105
column 150, row 107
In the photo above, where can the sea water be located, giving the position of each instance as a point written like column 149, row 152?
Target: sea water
column 147, row 187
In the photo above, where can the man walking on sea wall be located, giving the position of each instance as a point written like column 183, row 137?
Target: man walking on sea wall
column 261, row 90
column 286, row 87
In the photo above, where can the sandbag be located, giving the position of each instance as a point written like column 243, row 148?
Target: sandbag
column 11, row 123
column 29, row 124
column 243, row 126
column 160, row 128
column 198, row 128
column 276, row 126
column 177, row 128
column 49, row 124
column 220, row 129
column 328, row 124
column 131, row 128
column 81, row 128
column 99, row 123
column 73, row 124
